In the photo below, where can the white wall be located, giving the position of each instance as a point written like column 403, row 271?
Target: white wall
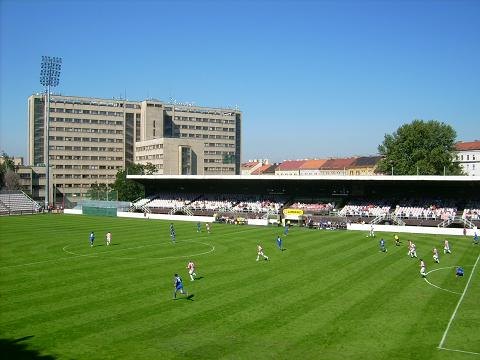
column 410, row 229
column 167, row 217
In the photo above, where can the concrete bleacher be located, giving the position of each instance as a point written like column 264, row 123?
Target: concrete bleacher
column 208, row 203
column 3, row 209
column 367, row 210
column 17, row 202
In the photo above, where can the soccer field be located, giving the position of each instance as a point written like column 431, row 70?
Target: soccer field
column 329, row 295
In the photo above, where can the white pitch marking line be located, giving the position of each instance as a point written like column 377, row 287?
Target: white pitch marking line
column 460, row 351
column 438, row 287
column 440, row 346
column 212, row 248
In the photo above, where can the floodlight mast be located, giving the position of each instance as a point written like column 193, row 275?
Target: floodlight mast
column 49, row 77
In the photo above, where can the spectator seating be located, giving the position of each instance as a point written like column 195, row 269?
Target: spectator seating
column 471, row 214
column 368, row 209
column 425, row 212
column 317, row 208
column 17, row 202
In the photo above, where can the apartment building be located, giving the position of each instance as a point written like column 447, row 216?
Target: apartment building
column 468, row 156
column 90, row 139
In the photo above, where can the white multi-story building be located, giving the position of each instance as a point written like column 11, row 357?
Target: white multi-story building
column 90, row 139
column 468, row 156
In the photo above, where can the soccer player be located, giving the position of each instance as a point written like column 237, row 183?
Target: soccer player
column 260, row 253
column 446, row 247
column 279, row 243
column 413, row 250
column 286, row 228
column 372, row 231
column 207, row 225
column 436, row 258
column 199, row 227
column 423, row 268
column 178, row 285
column 475, row 238
column 172, row 233
column 92, row 238
column 382, row 245
column 108, row 238
column 459, row 271
column 397, row 240
column 409, row 253
column 191, row 270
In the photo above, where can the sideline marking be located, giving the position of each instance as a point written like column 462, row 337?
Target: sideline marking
column 460, row 351
column 438, row 287
column 212, row 248
column 440, row 346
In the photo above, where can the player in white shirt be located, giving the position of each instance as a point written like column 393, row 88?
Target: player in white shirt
column 423, row 268
column 260, row 253
column 435, row 256
column 108, row 238
column 191, row 270
column 372, row 231
column 446, row 247
column 413, row 250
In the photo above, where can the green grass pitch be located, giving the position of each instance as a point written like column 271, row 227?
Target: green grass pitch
column 329, row 295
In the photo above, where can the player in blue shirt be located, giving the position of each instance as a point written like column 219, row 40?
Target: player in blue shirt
column 382, row 245
column 459, row 271
column 285, row 231
column 199, row 227
column 172, row 232
column 178, row 285
column 279, row 243
column 92, row 238
column 475, row 238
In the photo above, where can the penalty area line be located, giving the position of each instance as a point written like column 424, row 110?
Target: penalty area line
column 440, row 346
column 460, row 351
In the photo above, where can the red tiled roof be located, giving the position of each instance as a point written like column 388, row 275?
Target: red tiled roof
column 312, row 164
column 249, row 164
column 364, row 161
column 338, row 163
column 290, row 165
column 471, row 145
column 263, row 169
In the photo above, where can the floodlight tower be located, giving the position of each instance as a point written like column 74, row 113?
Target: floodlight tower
column 49, row 77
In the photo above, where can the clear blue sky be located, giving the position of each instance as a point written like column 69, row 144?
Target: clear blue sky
column 313, row 78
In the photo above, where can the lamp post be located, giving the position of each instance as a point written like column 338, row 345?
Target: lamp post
column 49, row 77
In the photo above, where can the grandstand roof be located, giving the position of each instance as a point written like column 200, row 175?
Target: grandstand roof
column 462, row 187
column 312, row 164
column 338, row 163
column 371, row 178
column 291, row 165
column 471, row 145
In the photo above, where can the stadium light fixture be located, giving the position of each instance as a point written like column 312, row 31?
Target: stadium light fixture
column 49, row 77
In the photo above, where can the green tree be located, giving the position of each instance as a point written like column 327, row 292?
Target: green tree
column 149, row 169
column 426, row 147
column 129, row 190
column 6, row 165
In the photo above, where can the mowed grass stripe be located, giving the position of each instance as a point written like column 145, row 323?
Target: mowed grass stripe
column 240, row 306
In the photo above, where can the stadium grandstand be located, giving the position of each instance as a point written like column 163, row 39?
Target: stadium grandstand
column 440, row 201
column 16, row 202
